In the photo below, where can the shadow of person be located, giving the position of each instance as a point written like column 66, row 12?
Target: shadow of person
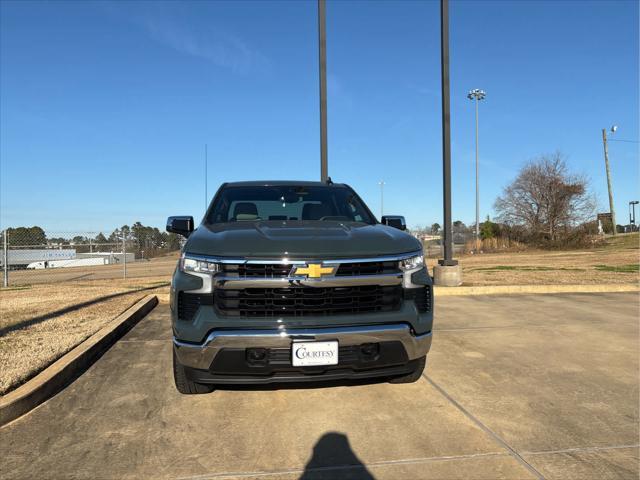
column 333, row 458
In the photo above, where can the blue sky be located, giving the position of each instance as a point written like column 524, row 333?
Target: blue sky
column 105, row 107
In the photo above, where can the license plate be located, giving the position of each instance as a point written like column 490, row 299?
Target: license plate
column 305, row 354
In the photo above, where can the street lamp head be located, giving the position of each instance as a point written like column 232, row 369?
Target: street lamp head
column 614, row 128
column 476, row 94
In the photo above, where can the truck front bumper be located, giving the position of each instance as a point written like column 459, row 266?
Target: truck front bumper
column 202, row 357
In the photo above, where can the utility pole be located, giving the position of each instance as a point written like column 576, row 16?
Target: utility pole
column 322, row 54
column 381, row 183
column 632, row 214
column 206, row 179
column 606, row 162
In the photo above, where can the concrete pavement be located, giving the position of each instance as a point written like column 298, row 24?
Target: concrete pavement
column 519, row 386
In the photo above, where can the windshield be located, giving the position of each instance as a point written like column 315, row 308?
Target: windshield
column 289, row 202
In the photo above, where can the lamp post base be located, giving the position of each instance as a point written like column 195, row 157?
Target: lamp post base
column 447, row 275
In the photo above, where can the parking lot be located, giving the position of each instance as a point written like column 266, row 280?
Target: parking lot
column 521, row 386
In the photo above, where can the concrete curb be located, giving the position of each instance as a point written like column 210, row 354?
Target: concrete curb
column 532, row 289
column 71, row 365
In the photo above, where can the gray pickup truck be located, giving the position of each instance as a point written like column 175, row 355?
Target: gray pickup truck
column 287, row 281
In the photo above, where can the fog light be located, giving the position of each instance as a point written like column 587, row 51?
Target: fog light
column 256, row 355
column 370, row 349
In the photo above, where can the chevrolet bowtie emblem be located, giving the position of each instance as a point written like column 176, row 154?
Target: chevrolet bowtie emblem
column 314, row 270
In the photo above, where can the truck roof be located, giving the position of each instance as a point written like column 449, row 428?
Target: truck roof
column 279, row 183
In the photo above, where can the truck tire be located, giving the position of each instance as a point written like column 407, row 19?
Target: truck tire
column 183, row 384
column 413, row 376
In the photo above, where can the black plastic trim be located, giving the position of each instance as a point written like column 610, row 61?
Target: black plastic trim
column 204, row 376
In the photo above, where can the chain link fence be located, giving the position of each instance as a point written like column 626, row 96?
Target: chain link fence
column 466, row 242
column 29, row 255
column 433, row 247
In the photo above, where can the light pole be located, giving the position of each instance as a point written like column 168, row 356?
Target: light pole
column 381, row 183
column 477, row 95
column 322, row 70
column 440, row 276
column 606, row 163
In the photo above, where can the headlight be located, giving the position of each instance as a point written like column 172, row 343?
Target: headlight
column 412, row 263
column 188, row 264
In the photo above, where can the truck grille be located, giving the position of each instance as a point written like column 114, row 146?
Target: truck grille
column 421, row 297
column 307, row 301
column 256, row 270
column 189, row 303
column 367, row 268
column 281, row 270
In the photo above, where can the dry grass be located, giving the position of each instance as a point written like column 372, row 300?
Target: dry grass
column 615, row 262
column 35, row 329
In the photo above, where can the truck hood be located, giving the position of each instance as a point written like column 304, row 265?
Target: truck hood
column 299, row 239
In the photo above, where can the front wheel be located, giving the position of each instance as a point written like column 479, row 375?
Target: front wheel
column 413, row 376
column 183, row 384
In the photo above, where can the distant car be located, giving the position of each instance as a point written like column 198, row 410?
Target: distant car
column 37, row 265
column 75, row 262
column 297, row 281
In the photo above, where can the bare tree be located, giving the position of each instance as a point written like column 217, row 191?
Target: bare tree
column 546, row 199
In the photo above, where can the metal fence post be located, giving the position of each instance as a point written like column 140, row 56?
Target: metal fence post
column 5, row 260
column 124, row 254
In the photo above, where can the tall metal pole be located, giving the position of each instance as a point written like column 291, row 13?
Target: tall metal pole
column 477, row 184
column 381, row 199
column 5, row 260
column 446, row 134
column 606, row 162
column 476, row 95
column 322, row 51
column 206, row 178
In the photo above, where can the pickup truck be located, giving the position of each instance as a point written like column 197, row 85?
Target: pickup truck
column 291, row 281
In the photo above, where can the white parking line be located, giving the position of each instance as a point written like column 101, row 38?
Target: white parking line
column 486, row 429
column 582, row 449
column 410, row 461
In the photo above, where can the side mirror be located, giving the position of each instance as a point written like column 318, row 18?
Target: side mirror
column 180, row 225
column 395, row 221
